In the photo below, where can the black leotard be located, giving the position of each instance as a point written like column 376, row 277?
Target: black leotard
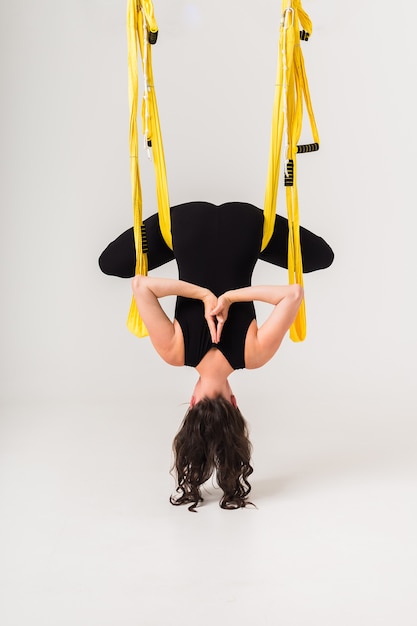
column 215, row 247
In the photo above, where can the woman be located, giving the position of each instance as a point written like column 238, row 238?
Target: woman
column 214, row 329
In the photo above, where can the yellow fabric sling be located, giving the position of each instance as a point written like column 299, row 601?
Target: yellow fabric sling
column 142, row 31
column 290, row 90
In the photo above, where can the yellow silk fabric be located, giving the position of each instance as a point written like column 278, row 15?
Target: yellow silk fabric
column 290, row 90
column 139, row 14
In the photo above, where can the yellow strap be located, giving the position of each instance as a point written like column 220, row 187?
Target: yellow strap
column 290, row 90
column 151, row 123
column 140, row 17
column 148, row 12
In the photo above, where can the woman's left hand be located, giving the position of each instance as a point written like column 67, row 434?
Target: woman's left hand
column 210, row 302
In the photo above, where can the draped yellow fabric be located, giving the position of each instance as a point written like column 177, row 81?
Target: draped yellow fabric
column 290, row 91
column 141, row 26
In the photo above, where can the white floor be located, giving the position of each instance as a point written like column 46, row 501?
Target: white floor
column 88, row 537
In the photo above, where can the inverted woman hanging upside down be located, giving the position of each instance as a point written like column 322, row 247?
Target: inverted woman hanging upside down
column 214, row 329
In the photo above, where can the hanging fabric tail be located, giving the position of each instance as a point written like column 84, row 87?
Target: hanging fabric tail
column 134, row 321
column 142, row 31
column 290, row 91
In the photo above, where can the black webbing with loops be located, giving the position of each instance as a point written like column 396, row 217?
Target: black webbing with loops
column 308, row 147
column 144, row 239
column 289, row 174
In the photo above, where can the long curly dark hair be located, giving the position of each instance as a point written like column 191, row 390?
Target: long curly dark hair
column 212, row 436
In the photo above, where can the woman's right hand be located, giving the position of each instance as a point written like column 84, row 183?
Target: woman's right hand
column 210, row 301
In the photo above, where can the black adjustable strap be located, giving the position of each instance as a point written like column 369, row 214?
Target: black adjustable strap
column 308, row 147
column 144, row 239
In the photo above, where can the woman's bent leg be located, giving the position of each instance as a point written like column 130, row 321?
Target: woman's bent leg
column 316, row 253
column 119, row 258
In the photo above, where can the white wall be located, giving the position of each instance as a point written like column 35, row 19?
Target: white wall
column 65, row 192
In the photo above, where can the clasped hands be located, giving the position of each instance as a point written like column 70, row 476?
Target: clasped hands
column 216, row 311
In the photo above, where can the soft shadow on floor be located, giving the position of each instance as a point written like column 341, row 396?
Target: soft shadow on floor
column 329, row 465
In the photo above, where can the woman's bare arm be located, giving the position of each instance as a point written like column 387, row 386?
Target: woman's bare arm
column 166, row 335
column 262, row 343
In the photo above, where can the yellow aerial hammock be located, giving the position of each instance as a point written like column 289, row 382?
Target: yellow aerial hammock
column 142, row 31
column 291, row 89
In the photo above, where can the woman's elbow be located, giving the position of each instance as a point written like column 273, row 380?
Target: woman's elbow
column 138, row 282
column 296, row 293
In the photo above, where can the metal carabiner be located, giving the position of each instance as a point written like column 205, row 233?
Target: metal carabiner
column 284, row 20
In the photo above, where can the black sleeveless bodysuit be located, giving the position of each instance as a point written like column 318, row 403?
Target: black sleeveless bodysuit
column 215, row 247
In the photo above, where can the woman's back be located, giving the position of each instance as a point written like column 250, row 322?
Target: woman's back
column 215, row 247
